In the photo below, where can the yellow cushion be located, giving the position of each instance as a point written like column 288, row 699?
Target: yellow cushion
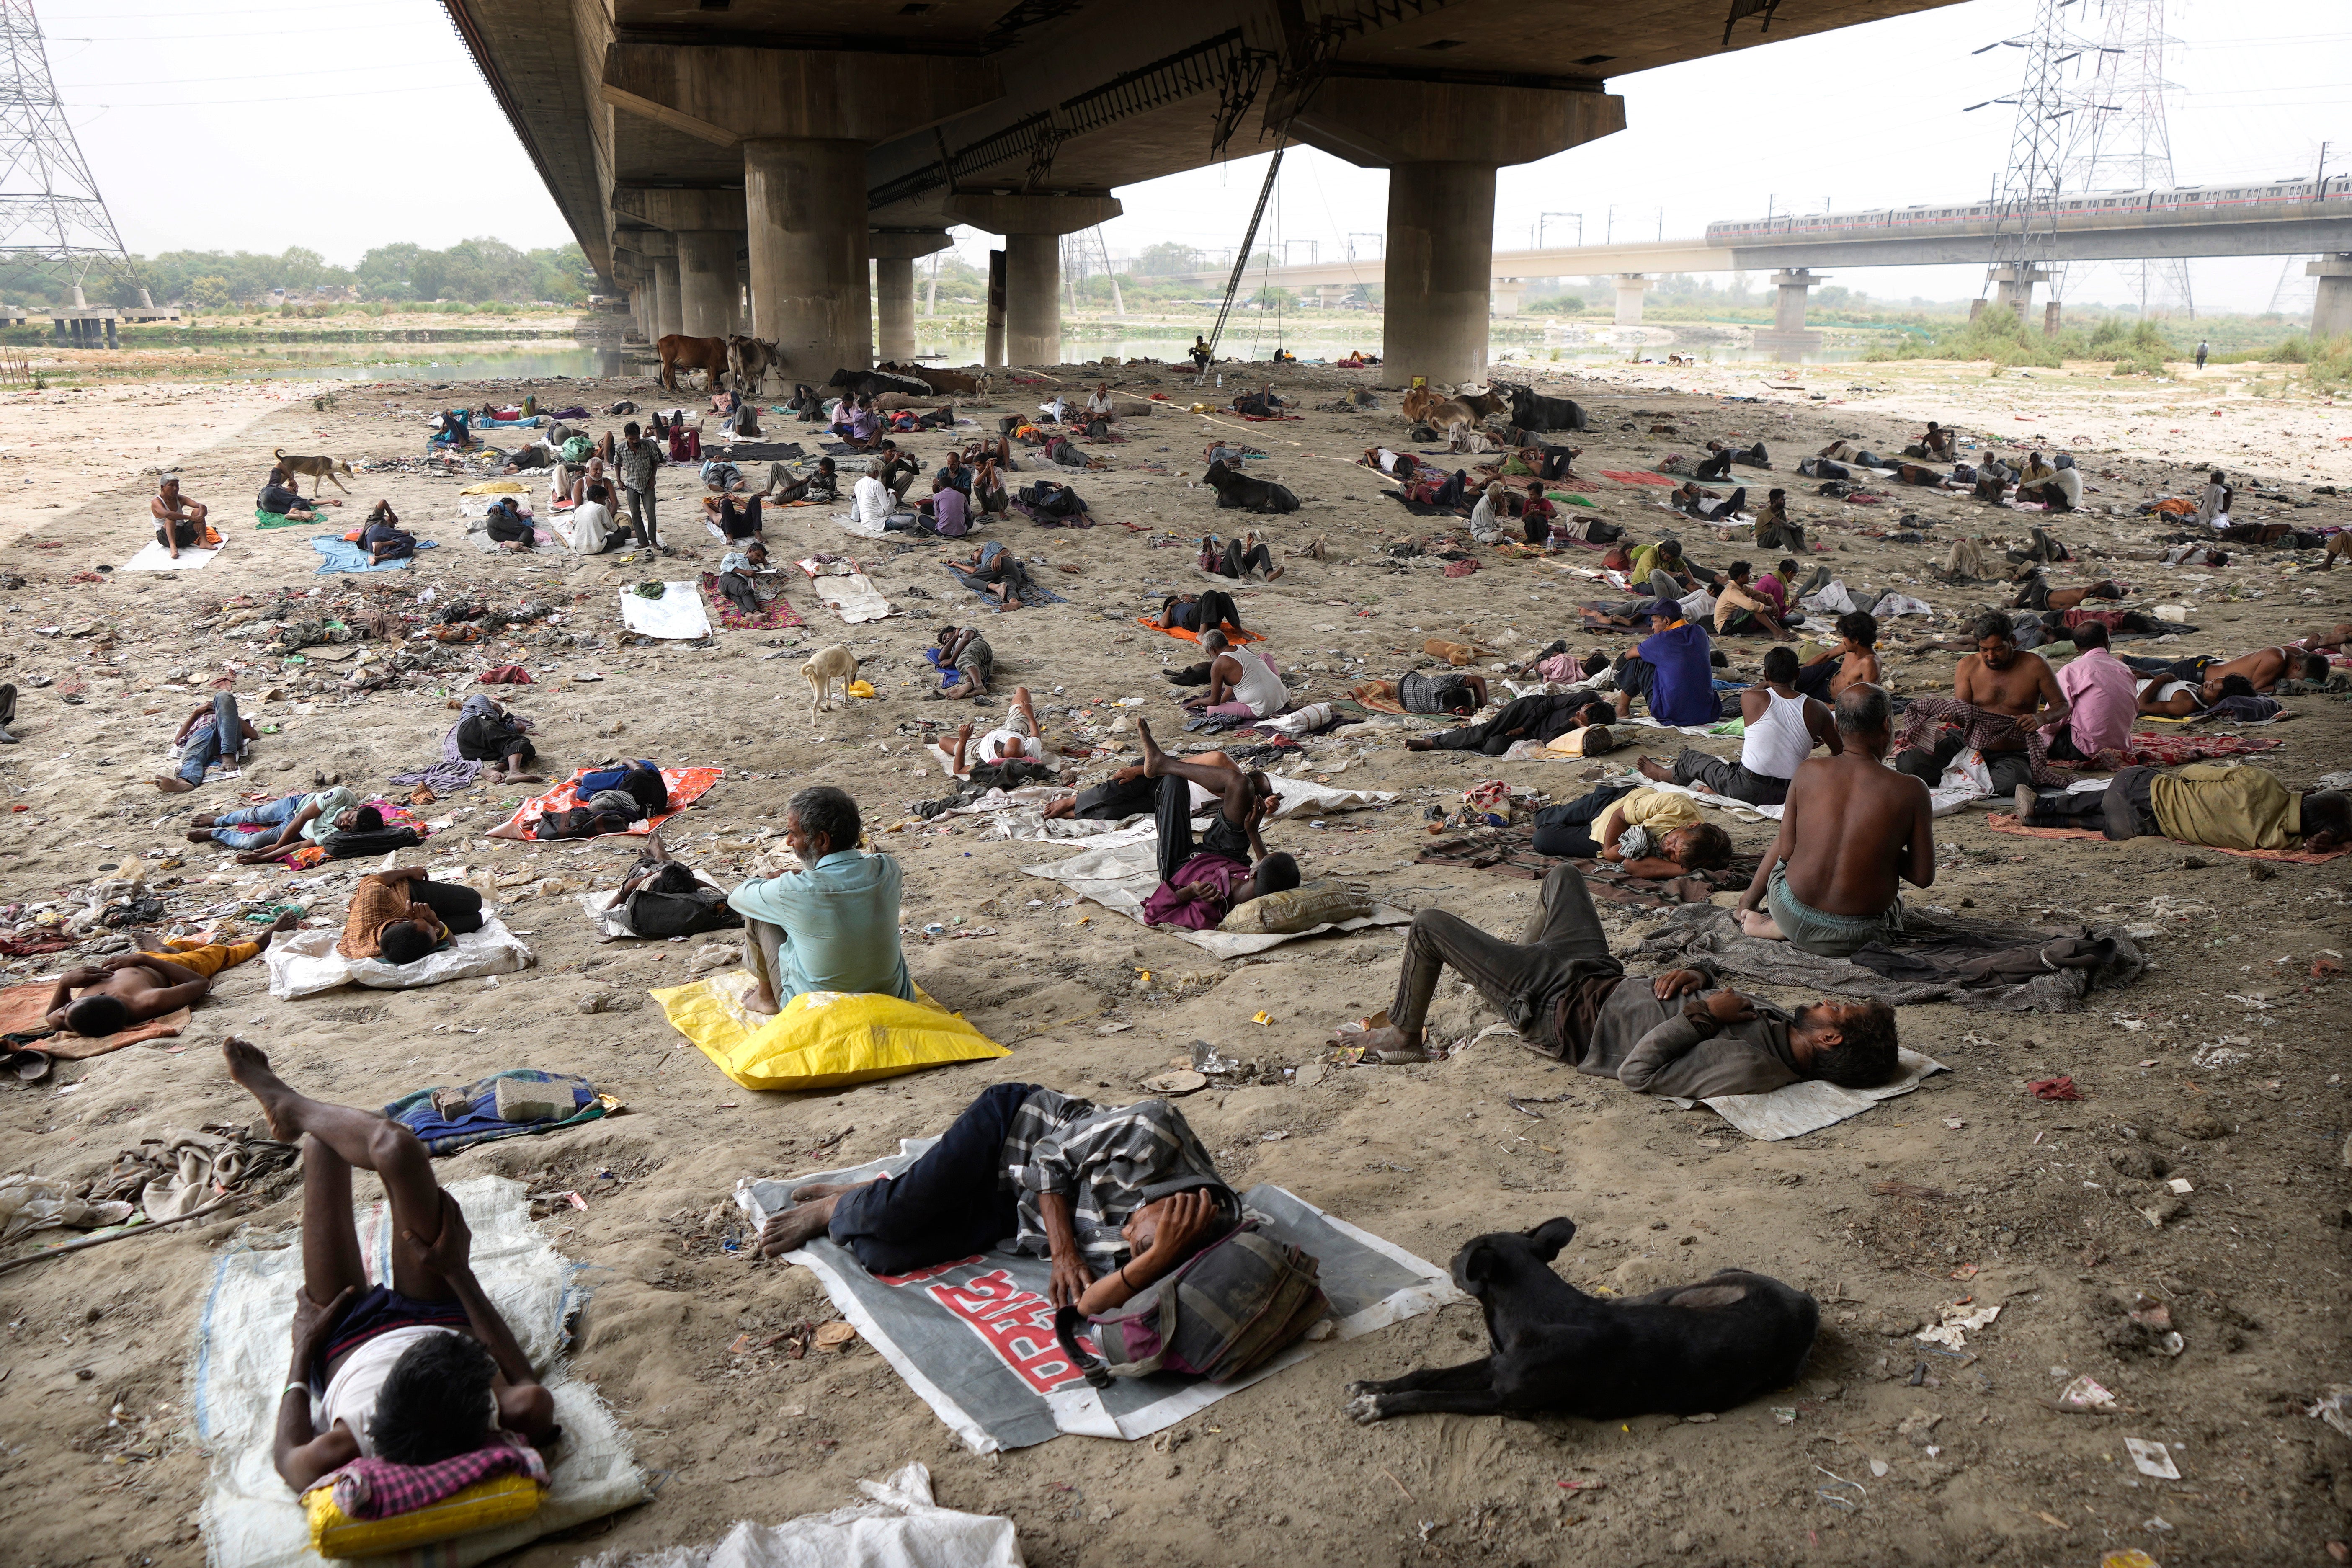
column 482, row 1506
column 822, row 1040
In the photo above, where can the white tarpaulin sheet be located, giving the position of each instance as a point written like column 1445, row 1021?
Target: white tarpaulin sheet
column 900, row 1527
column 974, row 1339
column 1121, row 871
column 303, row 964
column 251, row 1519
column 155, row 558
column 854, row 598
column 678, row 613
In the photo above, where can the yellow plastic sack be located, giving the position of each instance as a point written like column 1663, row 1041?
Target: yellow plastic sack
column 485, row 1505
column 823, row 1039
column 860, row 689
column 495, row 488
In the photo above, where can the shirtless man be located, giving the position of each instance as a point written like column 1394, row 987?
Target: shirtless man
column 1851, row 832
column 2038, row 595
column 1853, row 662
column 132, row 987
column 176, row 517
column 2001, row 682
column 2266, row 667
column 1937, row 441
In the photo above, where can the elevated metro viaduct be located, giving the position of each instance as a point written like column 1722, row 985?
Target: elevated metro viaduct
column 697, row 146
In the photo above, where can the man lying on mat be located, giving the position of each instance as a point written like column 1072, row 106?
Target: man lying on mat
column 416, row 1372
column 133, row 987
column 1116, row 1198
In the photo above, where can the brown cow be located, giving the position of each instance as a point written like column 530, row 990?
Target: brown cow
column 679, row 353
column 1452, row 415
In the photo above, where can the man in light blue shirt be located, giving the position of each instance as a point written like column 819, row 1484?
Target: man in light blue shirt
column 832, row 925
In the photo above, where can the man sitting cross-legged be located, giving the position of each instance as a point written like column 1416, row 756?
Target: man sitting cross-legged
column 1784, row 726
column 132, row 987
column 417, row 1371
column 832, row 925
column 1199, row 885
column 1116, row 1197
column 1560, row 988
column 1852, row 831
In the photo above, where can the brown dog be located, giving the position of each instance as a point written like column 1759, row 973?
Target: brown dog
column 317, row 468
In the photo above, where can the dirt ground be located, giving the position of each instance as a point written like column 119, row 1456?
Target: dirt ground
column 1996, row 1197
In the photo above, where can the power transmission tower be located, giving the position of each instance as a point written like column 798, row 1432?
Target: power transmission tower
column 50, row 211
column 2124, row 142
column 2025, row 207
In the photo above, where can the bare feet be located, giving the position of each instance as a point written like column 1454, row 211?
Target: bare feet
column 1155, row 761
column 762, row 1000
column 811, row 1191
column 251, row 1069
column 1386, row 1043
column 172, row 785
column 796, row 1228
column 1274, row 571
column 200, row 836
column 1060, row 807
column 1419, row 743
column 1760, row 925
column 1653, row 771
column 1624, row 704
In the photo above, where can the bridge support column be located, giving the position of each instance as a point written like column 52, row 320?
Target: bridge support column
column 894, row 287
column 705, row 282
column 1630, row 286
column 1786, row 338
column 1033, row 227
column 1329, row 296
column 667, row 320
column 2013, row 288
column 1442, row 143
column 1507, row 293
column 2331, row 308
column 806, row 199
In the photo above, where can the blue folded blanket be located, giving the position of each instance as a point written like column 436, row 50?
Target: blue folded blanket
column 342, row 555
column 480, row 1122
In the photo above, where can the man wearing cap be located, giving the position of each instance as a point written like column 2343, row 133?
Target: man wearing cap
column 1671, row 668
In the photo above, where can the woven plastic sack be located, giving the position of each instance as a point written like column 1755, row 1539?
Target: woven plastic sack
column 1300, row 908
column 822, row 1040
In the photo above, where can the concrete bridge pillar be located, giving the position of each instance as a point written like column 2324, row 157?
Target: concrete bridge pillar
column 1786, row 338
column 1630, row 286
column 1509, row 292
column 2013, row 288
column 1329, row 296
column 1033, row 227
column 706, row 291
column 1442, row 143
column 2331, row 308
column 894, row 285
column 802, row 120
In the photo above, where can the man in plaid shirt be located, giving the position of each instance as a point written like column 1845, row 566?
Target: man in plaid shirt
column 1117, row 1197
column 638, row 461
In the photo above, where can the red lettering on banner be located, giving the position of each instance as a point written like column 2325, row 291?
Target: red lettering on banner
column 1017, row 1324
column 933, row 1272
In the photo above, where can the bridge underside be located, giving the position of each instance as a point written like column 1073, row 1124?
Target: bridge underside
column 805, row 139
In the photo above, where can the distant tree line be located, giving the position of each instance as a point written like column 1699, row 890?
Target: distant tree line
column 480, row 271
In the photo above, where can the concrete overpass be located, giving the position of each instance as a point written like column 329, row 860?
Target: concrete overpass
column 707, row 150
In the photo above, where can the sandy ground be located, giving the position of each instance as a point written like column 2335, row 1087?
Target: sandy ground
column 1972, row 1464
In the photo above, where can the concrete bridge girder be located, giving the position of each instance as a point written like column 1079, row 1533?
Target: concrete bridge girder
column 1442, row 143
column 894, row 252
column 2331, row 307
column 1631, row 288
column 803, row 121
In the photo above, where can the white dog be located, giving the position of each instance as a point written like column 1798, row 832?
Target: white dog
column 830, row 664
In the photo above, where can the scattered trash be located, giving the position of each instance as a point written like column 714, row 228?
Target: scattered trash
column 2053, row 1088
column 2334, row 1408
column 2085, row 1393
column 1958, row 1321
column 2152, row 1459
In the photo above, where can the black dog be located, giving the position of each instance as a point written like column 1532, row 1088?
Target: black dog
column 1237, row 489
column 1686, row 1351
column 1535, row 412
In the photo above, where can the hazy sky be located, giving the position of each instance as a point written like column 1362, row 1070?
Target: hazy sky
column 264, row 124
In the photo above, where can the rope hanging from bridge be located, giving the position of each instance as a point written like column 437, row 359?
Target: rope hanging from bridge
column 1241, row 262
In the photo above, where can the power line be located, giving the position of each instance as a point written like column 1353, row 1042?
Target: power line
column 217, row 37
column 307, row 97
column 247, row 76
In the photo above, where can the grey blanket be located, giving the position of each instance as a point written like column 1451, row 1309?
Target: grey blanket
column 1997, row 964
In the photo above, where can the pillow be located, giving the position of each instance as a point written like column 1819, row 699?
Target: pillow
column 1300, row 909
column 822, row 1040
column 485, row 1505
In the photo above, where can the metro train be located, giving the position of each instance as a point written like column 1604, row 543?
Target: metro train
column 2090, row 209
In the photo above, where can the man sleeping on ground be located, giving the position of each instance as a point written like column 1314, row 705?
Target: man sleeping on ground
column 1452, row 691
column 1199, row 888
column 1117, row 1198
column 414, row 1372
column 1568, row 998
column 2223, row 805
column 133, row 987
column 400, row 917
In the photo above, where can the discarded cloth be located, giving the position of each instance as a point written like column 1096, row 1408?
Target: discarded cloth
column 900, row 1527
column 508, row 1104
column 378, row 1488
column 975, row 1339
column 1808, row 1106
column 443, row 777
column 776, row 614
column 23, row 1010
column 678, row 614
column 686, row 786
column 1998, row 965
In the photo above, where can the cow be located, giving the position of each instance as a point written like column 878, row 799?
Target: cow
column 865, row 383
column 1482, row 404
column 751, row 358
column 1451, row 416
column 679, row 353
column 1532, row 411
column 956, row 383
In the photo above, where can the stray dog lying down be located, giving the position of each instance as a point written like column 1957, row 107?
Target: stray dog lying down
column 1684, row 1351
